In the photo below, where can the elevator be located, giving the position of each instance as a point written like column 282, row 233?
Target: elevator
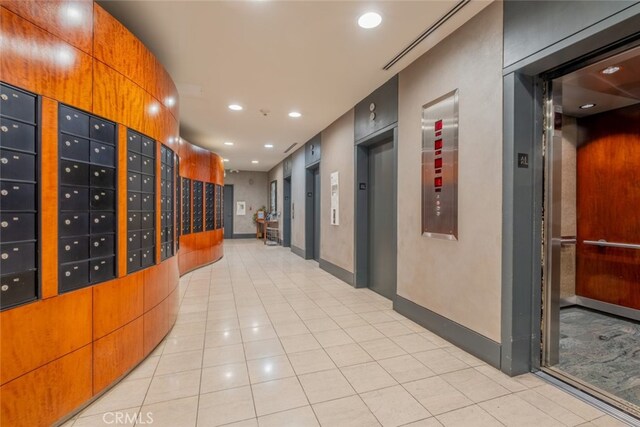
column 228, row 211
column 591, row 227
column 312, row 213
column 286, row 213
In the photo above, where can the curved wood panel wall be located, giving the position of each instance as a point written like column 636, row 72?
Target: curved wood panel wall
column 60, row 351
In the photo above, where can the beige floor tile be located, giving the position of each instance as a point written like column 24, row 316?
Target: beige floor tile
column 427, row 422
column 254, row 321
column 269, row 368
column 346, row 412
column 394, row 406
column 349, row 320
column 222, row 324
column 310, row 361
column 223, row 355
column 186, row 329
column 260, row 349
column 413, row 343
column 530, row 380
column 501, row 378
column 569, row 402
column 278, row 395
column 368, row 376
column 348, row 354
column 144, row 369
column 465, row 357
column 363, row 333
column 222, row 377
column 173, row 386
column 178, row 362
column 332, row 338
column 291, row 328
column 474, row 385
column 284, row 317
column 337, row 310
column 440, row 362
column 608, row 421
column 298, row 343
column 179, row 412
column 121, row 417
column 325, row 385
column 258, row 333
column 224, row 407
column 551, row 408
column 405, row 368
column 222, row 338
column 321, row 324
column 393, row 329
column 182, row 344
column 382, row 349
column 469, row 416
column 376, row 317
column 299, row 417
column 513, row 411
column 437, row 395
column 126, row 394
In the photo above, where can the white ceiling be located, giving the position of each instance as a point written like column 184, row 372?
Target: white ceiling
column 280, row 56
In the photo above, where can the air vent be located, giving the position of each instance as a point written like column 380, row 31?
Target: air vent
column 290, row 147
column 426, row 33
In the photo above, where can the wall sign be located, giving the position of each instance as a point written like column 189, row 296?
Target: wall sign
column 241, row 208
column 335, row 198
column 440, row 167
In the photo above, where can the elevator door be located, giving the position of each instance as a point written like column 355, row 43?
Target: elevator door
column 228, row 211
column 381, row 220
column 316, row 214
column 286, row 214
column 608, row 201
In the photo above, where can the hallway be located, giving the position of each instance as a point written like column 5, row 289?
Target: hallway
column 266, row 338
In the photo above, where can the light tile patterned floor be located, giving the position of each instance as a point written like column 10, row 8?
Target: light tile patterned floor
column 265, row 338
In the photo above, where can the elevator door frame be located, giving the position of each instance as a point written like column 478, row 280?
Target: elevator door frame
column 361, row 228
column 286, row 212
column 313, row 213
column 227, row 204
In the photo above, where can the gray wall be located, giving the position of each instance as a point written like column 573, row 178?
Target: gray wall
column 252, row 188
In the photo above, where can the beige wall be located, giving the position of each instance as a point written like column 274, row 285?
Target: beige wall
column 297, row 199
column 276, row 174
column 460, row 280
column 336, row 241
column 252, row 188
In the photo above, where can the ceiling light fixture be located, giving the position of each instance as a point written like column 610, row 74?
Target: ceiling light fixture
column 610, row 70
column 228, row 143
column 295, row 114
column 370, row 20
column 587, row 106
column 268, row 145
column 255, row 162
column 235, row 107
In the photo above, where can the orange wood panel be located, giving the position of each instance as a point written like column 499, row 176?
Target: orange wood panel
column 38, row 61
column 608, row 196
column 173, row 304
column 156, row 284
column 72, row 21
column 117, row 353
column 122, row 201
column 49, row 198
column 156, row 325
column 43, row 396
column 116, row 303
column 56, row 326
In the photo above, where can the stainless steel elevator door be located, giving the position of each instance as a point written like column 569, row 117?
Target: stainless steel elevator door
column 316, row 214
column 228, row 211
column 382, row 219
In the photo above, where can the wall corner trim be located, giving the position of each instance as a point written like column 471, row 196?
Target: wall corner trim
column 463, row 337
column 296, row 250
column 339, row 272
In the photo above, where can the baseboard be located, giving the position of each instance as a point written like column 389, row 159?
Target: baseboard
column 296, row 250
column 470, row 341
column 244, row 236
column 339, row 272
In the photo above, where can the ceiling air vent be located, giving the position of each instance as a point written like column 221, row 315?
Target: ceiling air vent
column 290, row 147
column 426, row 33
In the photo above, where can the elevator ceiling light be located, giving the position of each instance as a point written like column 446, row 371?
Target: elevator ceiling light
column 295, row 114
column 235, row 107
column 610, row 70
column 268, row 145
column 255, row 162
column 587, row 106
column 228, row 143
column 369, row 20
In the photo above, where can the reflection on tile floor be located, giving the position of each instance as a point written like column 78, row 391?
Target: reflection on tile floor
column 265, row 338
column 601, row 350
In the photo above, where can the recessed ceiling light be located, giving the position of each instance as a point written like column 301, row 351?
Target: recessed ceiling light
column 370, row 20
column 235, row 107
column 587, row 106
column 295, row 114
column 268, row 145
column 255, row 162
column 225, row 160
column 228, row 143
column 610, row 70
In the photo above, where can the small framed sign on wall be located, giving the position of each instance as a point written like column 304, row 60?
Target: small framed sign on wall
column 273, row 197
column 440, row 167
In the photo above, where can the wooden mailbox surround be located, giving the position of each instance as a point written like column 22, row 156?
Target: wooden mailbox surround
column 59, row 352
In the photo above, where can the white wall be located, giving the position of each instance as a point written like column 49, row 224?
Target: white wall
column 252, row 188
column 460, row 280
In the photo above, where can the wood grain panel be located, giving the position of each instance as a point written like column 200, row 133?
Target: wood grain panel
column 40, row 62
column 156, row 325
column 56, row 325
column 156, row 285
column 43, row 396
column 72, row 21
column 49, row 198
column 608, row 196
column 116, row 303
column 117, row 353
column 122, row 200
